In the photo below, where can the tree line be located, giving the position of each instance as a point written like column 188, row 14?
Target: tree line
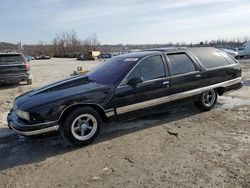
column 68, row 44
column 65, row 44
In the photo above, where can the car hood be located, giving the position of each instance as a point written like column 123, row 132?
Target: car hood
column 68, row 89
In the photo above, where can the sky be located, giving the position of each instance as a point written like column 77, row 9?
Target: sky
column 124, row 21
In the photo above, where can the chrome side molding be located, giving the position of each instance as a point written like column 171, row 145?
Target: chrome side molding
column 141, row 105
column 110, row 112
column 162, row 100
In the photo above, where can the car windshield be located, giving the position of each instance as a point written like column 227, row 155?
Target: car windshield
column 111, row 71
column 10, row 59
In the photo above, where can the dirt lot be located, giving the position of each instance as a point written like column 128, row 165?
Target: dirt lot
column 213, row 148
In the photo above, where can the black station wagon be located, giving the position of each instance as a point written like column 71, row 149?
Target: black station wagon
column 126, row 84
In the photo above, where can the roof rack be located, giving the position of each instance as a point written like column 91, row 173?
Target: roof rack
column 166, row 49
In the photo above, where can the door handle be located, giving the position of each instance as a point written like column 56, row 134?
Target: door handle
column 165, row 83
column 197, row 76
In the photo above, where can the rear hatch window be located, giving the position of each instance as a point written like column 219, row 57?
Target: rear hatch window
column 11, row 59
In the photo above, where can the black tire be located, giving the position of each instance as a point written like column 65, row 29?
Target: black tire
column 75, row 123
column 205, row 102
column 29, row 81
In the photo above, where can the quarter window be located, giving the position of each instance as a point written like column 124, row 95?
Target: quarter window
column 181, row 63
column 211, row 59
column 228, row 58
column 149, row 69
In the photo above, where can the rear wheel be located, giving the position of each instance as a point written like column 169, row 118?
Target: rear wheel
column 82, row 126
column 207, row 100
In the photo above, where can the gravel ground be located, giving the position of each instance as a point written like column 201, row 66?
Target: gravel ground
column 211, row 150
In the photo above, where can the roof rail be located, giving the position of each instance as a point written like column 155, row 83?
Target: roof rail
column 166, row 49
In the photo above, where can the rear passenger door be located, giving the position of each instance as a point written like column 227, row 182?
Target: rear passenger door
column 185, row 75
column 219, row 66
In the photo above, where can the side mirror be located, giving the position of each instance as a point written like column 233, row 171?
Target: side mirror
column 134, row 81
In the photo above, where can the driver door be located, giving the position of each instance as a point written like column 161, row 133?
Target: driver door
column 153, row 90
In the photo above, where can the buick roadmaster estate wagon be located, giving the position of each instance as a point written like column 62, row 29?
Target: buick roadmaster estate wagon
column 78, row 106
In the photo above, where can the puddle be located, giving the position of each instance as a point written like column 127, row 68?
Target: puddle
column 127, row 125
column 246, row 83
column 231, row 102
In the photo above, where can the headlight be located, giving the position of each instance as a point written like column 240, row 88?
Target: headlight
column 22, row 114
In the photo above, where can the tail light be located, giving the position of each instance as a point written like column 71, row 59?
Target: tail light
column 27, row 66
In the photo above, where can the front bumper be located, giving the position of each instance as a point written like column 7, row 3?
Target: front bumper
column 26, row 129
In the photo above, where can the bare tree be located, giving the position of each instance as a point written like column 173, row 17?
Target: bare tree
column 67, row 44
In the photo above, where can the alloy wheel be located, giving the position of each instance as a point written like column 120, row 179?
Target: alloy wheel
column 209, row 97
column 84, row 127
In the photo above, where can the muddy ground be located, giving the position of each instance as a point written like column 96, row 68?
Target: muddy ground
column 212, row 148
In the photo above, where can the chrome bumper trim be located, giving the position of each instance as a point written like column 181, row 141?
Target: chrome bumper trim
column 36, row 132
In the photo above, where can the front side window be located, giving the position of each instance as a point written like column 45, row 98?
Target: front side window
column 181, row 63
column 148, row 69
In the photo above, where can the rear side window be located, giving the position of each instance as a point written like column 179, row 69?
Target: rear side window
column 11, row 59
column 211, row 59
column 181, row 63
column 149, row 69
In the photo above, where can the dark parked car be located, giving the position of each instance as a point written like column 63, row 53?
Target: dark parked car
column 126, row 84
column 14, row 68
column 29, row 58
column 41, row 57
column 105, row 56
column 81, row 58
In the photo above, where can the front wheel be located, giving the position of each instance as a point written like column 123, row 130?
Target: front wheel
column 207, row 100
column 82, row 126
